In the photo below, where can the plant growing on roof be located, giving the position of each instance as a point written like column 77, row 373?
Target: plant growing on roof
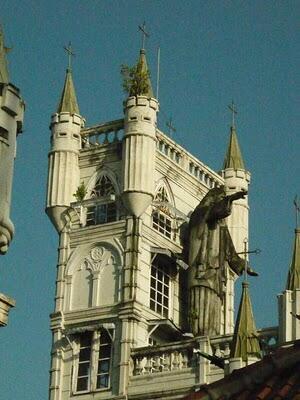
column 135, row 79
column 80, row 192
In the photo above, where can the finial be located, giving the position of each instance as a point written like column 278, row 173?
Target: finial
column 297, row 210
column 142, row 28
column 70, row 55
column 4, row 75
column 170, row 126
column 233, row 110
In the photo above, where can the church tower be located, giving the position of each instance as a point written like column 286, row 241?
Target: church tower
column 120, row 195
column 289, row 300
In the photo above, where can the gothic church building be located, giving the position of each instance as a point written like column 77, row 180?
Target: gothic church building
column 120, row 195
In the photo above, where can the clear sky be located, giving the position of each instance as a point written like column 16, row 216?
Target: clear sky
column 211, row 52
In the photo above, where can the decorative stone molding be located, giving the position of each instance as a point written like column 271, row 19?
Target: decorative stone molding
column 97, row 259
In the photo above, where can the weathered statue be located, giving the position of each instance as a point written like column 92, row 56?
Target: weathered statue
column 209, row 248
column 11, row 119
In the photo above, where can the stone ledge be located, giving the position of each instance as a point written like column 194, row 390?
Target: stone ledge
column 6, row 303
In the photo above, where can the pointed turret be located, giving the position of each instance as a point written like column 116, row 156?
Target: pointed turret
column 68, row 100
column 233, row 158
column 293, row 281
column 4, row 77
column 143, row 69
column 139, row 142
column 245, row 343
column 289, row 300
column 236, row 178
column 65, row 127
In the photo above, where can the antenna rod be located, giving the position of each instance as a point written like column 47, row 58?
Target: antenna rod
column 158, row 71
column 297, row 209
column 245, row 254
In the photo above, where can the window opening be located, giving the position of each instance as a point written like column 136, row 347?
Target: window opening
column 104, row 360
column 84, row 362
column 105, row 211
column 161, row 221
column 160, row 289
column 94, row 371
column 3, row 133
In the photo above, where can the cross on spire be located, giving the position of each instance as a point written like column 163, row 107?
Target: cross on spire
column 233, row 110
column 297, row 209
column 170, row 126
column 142, row 28
column 70, row 53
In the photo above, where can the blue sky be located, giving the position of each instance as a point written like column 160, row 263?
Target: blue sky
column 211, row 52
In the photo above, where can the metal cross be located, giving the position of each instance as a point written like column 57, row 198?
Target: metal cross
column 245, row 252
column 232, row 108
column 142, row 28
column 70, row 54
column 170, row 126
column 297, row 209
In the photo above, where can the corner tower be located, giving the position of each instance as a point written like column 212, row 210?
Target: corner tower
column 11, row 121
column 139, row 143
column 289, row 300
column 236, row 178
column 63, row 169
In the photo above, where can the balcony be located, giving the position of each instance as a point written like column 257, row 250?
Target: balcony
column 173, row 369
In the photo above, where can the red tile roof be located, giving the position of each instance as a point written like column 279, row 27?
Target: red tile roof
column 275, row 377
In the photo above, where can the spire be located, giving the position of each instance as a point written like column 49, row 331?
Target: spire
column 293, row 281
column 233, row 157
column 4, row 77
column 143, row 69
column 245, row 342
column 142, row 66
column 68, row 100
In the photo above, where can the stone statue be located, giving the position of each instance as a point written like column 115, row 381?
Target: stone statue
column 209, row 248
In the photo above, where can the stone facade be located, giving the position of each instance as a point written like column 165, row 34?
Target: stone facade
column 120, row 324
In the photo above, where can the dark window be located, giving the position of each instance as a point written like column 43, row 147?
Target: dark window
column 94, row 371
column 160, row 289
column 161, row 221
column 84, row 363
column 105, row 211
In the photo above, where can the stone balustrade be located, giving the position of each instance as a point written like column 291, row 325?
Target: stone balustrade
column 170, row 357
column 186, row 161
column 113, row 131
column 182, row 355
column 107, row 133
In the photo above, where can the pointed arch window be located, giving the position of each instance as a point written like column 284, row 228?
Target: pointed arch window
column 105, row 210
column 161, row 216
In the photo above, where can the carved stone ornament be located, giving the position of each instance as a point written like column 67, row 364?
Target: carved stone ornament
column 98, row 258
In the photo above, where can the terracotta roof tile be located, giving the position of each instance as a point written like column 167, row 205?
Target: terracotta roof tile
column 275, row 377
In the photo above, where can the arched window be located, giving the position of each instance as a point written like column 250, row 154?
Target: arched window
column 105, row 209
column 161, row 216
